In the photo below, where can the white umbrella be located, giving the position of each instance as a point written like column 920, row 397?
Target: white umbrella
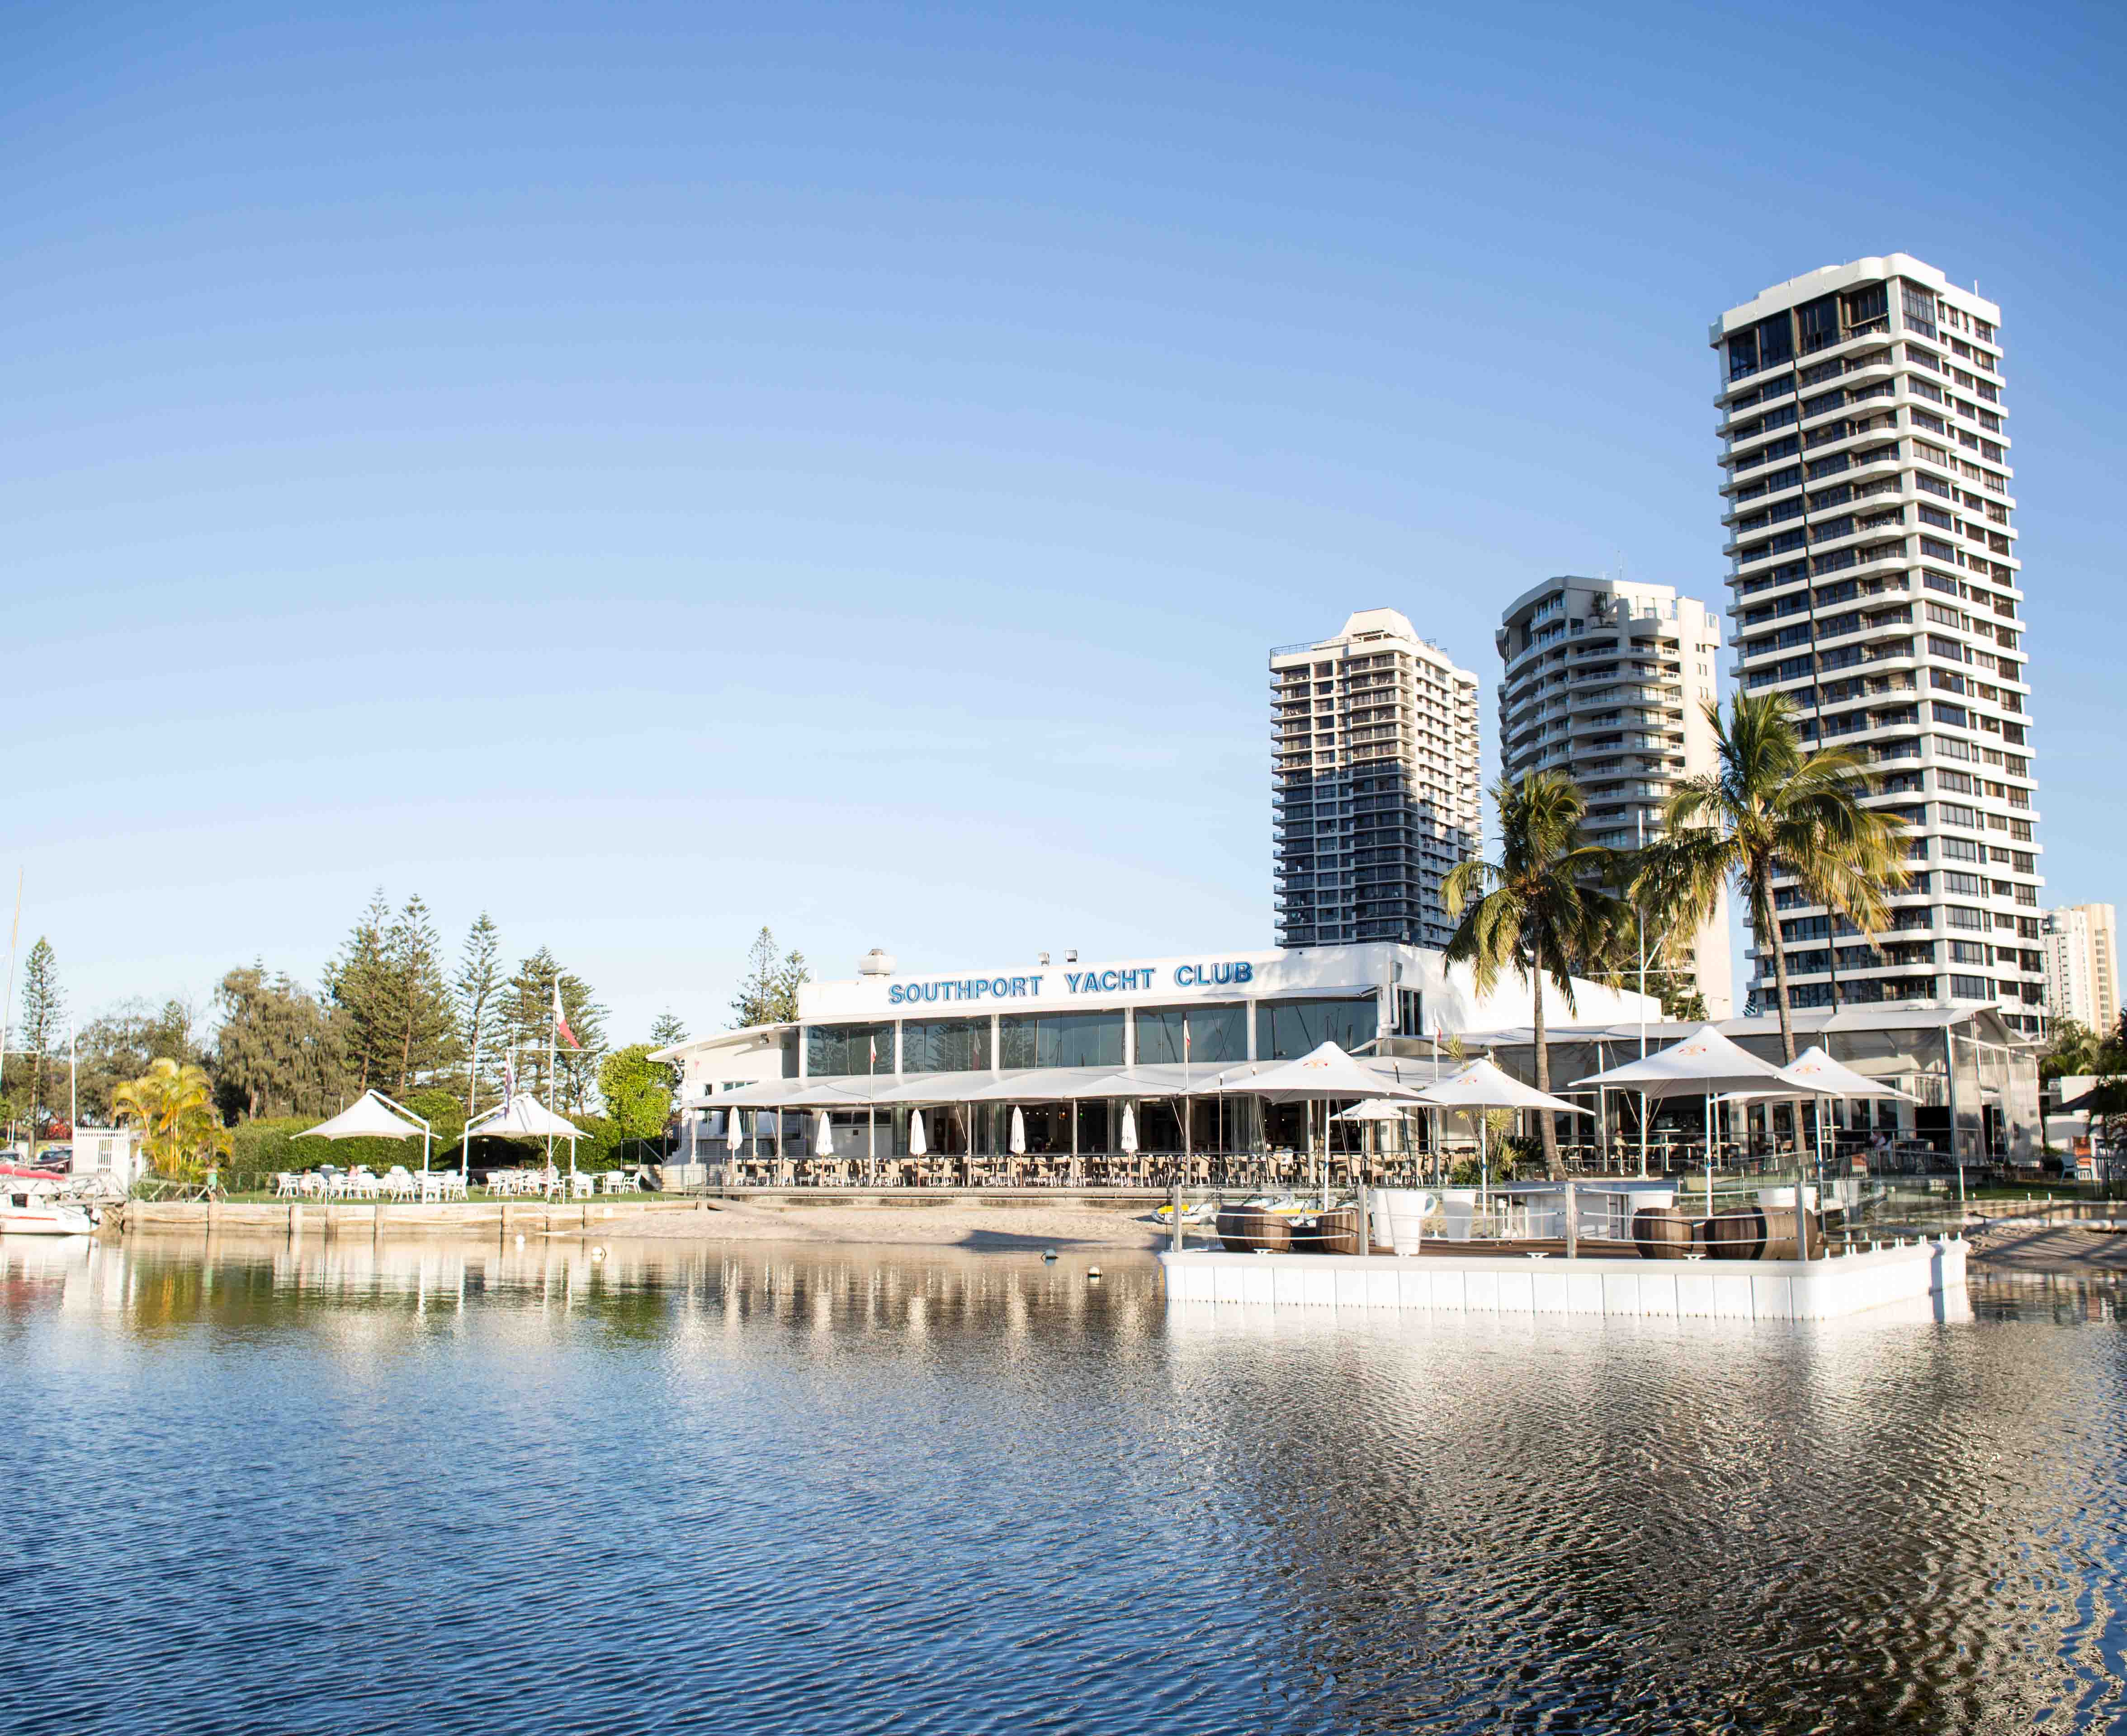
column 1326, row 1072
column 371, row 1116
column 918, row 1145
column 521, row 1117
column 1704, row 1065
column 1824, row 1077
column 1129, row 1141
column 1481, row 1085
column 734, row 1132
column 1018, row 1133
column 823, row 1141
column 1377, row 1109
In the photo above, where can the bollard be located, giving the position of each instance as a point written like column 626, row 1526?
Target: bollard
column 1178, row 1218
column 1572, row 1223
column 1801, row 1213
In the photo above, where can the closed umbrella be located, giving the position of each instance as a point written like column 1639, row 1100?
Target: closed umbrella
column 823, row 1141
column 1129, row 1141
column 734, row 1132
column 918, row 1146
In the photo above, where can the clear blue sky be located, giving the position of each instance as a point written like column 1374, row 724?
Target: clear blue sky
column 649, row 471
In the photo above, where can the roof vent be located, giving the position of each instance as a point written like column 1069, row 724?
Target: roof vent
column 877, row 962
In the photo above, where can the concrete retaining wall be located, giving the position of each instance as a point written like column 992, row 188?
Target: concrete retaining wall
column 1763, row 1289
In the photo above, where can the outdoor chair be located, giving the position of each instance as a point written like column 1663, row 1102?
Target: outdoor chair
column 580, row 1185
column 284, row 1185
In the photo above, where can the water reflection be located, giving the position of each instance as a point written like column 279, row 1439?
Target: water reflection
column 799, row 1488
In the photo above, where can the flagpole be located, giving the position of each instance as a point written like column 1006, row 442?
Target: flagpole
column 1188, row 1165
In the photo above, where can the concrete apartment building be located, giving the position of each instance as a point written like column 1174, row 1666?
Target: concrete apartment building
column 1376, row 791
column 1605, row 680
column 2081, row 946
column 1867, row 493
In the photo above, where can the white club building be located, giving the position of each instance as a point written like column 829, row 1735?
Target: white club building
column 1070, row 1046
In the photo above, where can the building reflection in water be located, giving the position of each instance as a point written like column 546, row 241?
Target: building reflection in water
column 1879, row 1522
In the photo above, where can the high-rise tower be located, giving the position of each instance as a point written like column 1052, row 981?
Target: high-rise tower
column 1868, row 497
column 1374, row 783
column 1606, row 680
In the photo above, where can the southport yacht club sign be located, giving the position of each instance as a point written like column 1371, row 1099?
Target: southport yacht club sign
column 1233, row 973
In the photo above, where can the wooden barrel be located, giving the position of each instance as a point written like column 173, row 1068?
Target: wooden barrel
column 1780, row 1233
column 1661, row 1232
column 1737, row 1234
column 1337, row 1232
column 1254, row 1228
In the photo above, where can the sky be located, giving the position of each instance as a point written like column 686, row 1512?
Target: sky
column 650, row 472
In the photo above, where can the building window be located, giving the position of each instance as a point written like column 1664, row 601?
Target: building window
column 830, row 1049
column 1287, row 1029
column 1216, row 1033
column 945, row 1045
column 1061, row 1039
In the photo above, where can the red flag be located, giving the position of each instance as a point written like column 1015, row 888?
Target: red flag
column 560, row 1019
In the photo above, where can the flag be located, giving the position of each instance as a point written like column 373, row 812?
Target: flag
column 1185, row 1040
column 874, row 1052
column 560, row 1019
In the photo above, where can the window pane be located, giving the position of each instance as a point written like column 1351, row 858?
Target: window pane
column 1061, row 1039
column 1216, row 1033
column 1287, row 1029
column 848, row 1048
column 945, row 1045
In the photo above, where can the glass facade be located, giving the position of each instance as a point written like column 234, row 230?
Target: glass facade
column 848, row 1048
column 1287, row 1029
column 945, row 1045
column 1060, row 1039
column 1216, row 1033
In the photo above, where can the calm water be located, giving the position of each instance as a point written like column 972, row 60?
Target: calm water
column 422, row 1486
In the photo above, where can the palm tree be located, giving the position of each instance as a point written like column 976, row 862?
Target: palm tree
column 173, row 1103
column 1769, row 808
column 1540, row 911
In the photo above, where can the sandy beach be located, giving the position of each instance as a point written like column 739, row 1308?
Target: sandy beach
column 958, row 1224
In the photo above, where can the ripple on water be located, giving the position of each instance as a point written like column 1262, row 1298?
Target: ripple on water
column 360, row 1486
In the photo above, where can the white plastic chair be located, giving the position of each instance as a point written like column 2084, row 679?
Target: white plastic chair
column 581, row 1186
column 284, row 1185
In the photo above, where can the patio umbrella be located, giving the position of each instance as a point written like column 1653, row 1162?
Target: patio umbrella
column 823, row 1141
column 1481, row 1085
column 1018, row 1133
column 1704, row 1065
column 373, row 1115
column 1128, row 1140
column 523, row 1117
column 1825, row 1077
column 918, row 1145
column 734, row 1132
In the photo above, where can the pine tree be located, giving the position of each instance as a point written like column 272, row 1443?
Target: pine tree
column 769, row 995
column 666, row 1031
column 527, row 1014
column 43, row 1014
column 358, row 982
column 479, row 987
column 418, row 998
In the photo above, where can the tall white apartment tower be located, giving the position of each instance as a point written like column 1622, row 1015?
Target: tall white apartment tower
column 1606, row 680
column 1374, row 783
column 1867, row 492
column 2081, row 951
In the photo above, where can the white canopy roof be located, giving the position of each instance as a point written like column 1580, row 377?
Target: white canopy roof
column 1377, row 1109
column 1325, row 1072
column 1822, row 1076
column 1704, row 1063
column 522, row 1118
column 365, row 1118
column 1483, row 1085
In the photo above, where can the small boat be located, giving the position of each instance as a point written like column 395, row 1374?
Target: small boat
column 33, row 1209
column 1204, row 1211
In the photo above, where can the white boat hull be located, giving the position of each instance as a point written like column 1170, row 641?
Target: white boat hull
column 44, row 1220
